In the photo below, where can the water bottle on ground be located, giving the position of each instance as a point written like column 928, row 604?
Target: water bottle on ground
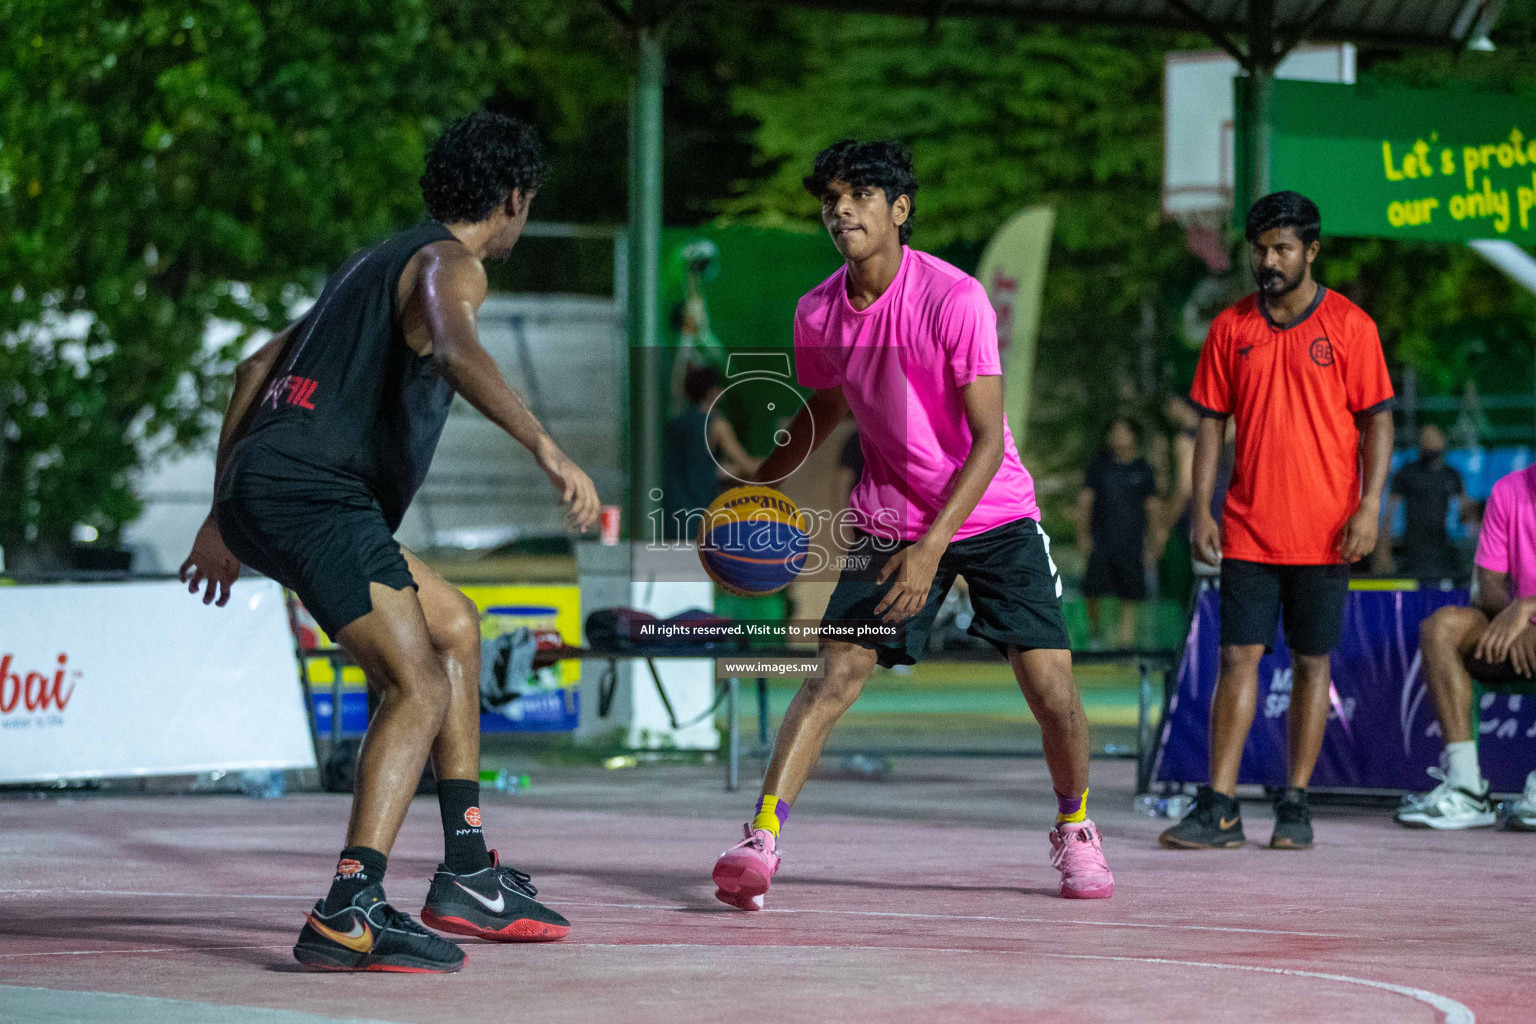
column 504, row 781
column 867, row 766
column 1178, row 805
column 264, row 785
column 1153, row 806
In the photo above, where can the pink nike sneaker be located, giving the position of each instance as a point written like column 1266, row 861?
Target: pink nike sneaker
column 1076, row 852
column 743, row 872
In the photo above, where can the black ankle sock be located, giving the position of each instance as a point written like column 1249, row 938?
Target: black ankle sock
column 463, row 841
column 358, row 868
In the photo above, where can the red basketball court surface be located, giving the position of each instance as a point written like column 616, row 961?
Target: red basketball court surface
column 927, row 897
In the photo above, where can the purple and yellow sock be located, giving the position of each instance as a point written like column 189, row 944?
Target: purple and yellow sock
column 1071, row 809
column 771, row 815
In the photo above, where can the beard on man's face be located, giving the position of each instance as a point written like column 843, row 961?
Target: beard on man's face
column 1273, row 282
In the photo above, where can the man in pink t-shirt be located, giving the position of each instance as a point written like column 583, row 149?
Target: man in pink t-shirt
column 908, row 344
column 1493, row 642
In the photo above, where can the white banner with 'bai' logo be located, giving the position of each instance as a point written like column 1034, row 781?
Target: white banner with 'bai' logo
column 103, row 680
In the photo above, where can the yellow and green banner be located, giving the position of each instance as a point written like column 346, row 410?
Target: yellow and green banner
column 1449, row 165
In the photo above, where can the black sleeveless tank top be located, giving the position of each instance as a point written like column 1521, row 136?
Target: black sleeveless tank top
column 349, row 405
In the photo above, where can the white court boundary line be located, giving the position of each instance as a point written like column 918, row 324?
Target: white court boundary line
column 1455, row 1013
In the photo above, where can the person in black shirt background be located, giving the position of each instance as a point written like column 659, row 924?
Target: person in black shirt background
column 1118, row 501
column 701, row 446
column 1424, row 488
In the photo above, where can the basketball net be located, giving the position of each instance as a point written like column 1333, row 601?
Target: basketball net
column 1205, row 236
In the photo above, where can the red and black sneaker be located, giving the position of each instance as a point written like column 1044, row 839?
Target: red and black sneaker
column 495, row 903
column 370, row 935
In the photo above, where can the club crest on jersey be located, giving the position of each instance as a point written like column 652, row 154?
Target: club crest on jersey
column 290, row 390
column 1322, row 351
column 472, row 817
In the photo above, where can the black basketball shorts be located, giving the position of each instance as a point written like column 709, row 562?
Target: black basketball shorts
column 1014, row 587
column 1309, row 598
column 1120, row 574
column 326, row 550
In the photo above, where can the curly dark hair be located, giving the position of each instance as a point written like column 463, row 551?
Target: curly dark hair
column 1284, row 210
column 698, row 381
column 477, row 163
column 885, row 165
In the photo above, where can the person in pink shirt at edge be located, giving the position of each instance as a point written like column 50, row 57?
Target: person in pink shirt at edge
column 908, row 344
column 1493, row 642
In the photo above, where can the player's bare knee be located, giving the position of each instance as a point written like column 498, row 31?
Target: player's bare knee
column 841, row 685
column 424, row 688
column 838, row 690
column 1240, row 659
column 1310, row 666
column 1448, row 629
column 1055, row 698
column 459, row 630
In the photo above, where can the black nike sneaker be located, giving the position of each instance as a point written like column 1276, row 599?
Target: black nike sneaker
column 1293, row 822
column 495, row 903
column 1214, row 823
column 371, row 935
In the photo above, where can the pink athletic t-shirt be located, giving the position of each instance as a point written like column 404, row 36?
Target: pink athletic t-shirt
column 1508, row 540
column 902, row 364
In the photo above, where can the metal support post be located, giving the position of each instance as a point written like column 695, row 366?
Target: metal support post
column 1143, row 725
column 643, row 284
column 733, row 723
column 762, row 713
column 1257, row 95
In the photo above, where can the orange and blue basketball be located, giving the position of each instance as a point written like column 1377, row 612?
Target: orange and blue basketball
column 753, row 541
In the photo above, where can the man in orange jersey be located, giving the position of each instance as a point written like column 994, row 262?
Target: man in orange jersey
column 1300, row 369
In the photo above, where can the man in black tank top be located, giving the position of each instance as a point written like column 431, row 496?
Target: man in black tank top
column 330, row 430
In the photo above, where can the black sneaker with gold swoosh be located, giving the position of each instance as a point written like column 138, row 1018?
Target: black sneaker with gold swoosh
column 371, row 935
column 1214, row 823
column 495, row 903
column 1293, row 821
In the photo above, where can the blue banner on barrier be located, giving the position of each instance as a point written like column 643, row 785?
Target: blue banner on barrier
column 1382, row 732
column 555, row 710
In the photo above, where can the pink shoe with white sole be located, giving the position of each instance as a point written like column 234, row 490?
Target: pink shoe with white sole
column 743, row 872
column 1077, row 852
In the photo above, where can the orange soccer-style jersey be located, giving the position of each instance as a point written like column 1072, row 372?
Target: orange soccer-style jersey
column 1294, row 394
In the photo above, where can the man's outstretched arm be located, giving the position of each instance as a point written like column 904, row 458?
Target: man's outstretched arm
column 210, row 560
column 454, row 286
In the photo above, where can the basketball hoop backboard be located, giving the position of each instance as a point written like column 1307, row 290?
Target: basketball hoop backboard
column 1198, row 124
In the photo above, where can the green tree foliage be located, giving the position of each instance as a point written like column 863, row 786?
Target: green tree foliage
column 163, row 165
column 167, row 165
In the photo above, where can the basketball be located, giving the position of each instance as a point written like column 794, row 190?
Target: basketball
column 753, row 541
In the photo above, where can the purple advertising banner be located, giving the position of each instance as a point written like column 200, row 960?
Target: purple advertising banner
column 1382, row 732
